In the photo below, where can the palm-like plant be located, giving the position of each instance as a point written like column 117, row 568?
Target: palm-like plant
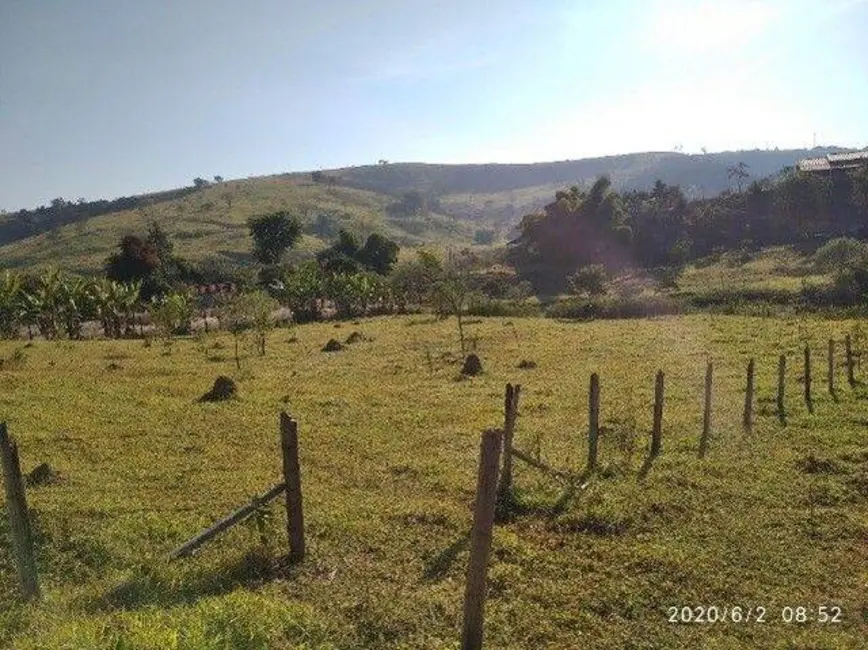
column 43, row 303
column 75, row 304
column 10, row 304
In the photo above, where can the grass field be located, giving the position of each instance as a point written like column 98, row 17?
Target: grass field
column 389, row 448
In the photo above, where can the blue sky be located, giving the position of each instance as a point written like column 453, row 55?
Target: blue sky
column 103, row 98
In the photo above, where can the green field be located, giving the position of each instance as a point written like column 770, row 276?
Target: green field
column 389, row 446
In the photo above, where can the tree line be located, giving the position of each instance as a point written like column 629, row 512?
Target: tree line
column 661, row 227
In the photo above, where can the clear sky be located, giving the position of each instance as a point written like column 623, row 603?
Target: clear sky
column 102, row 98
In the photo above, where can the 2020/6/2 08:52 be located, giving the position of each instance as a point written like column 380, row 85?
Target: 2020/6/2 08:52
column 699, row 614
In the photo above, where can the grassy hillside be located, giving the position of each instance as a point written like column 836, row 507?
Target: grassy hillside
column 466, row 189
column 389, row 449
column 212, row 222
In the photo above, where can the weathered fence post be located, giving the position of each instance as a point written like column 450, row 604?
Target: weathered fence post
column 19, row 523
column 706, row 413
column 848, row 349
column 808, row 401
column 508, row 430
column 657, row 431
column 747, row 419
column 782, row 372
column 480, row 540
column 830, row 375
column 292, row 478
column 506, row 473
column 593, row 420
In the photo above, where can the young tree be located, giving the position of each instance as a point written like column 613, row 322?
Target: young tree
column 450, row 296
column 250, row 312
column 171, row 313
column 739, row 173
column 272, row 235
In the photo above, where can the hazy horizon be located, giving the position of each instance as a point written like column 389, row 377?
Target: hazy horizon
column 118, row 98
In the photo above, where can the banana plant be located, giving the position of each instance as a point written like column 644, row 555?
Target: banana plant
column 42, row 303
column 74, row 303
column 10, row 304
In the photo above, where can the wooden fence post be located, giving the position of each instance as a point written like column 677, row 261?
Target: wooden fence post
column 747, row 420
column 657, row 431
column 508, row 430
column 706, row 413
column 480, row 540
column 831, row 369
column 593, row 420
column 292, row 478
column 19, row 523
column 782, row 372
column 848, row 349
column 808, row 401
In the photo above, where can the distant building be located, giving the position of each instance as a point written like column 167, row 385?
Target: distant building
column 834, row 162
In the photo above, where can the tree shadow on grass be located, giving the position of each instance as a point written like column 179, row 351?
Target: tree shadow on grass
column 438, row 566
column 157, row 586
column 646, row 466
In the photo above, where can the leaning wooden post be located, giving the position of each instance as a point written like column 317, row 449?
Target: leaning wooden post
column 480, row 540
column 706, row 413
column 292, row 478
column 508, row 430
column 593, row 420
column 830, row 373
column 747, row 419
column 808, row 379
column 848, row 349
column 657, row 431
column 782, row 372
column 19, row 523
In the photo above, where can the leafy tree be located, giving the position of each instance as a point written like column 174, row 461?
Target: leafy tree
column 137, row 261
column 199, row 183
column 413, row 281
column 340, row 257
column 272, row 235
column 218, row 179
column 317, row 176
column 159, row 240
column 378, row 254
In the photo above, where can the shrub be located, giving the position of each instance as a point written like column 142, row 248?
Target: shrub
column 839, row 254
column 588, row 280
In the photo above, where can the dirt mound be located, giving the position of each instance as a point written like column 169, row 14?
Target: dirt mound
column 332, row 346
column 526, row 364
column 42, row 474
column 355, row 337
column 224, row 388
column 472, row 365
